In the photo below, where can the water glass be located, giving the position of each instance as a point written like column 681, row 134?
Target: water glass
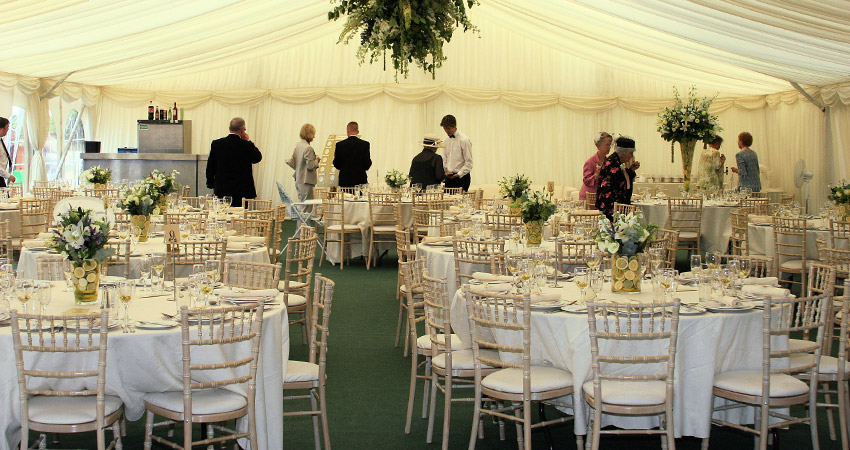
column 145, row 270
column 157, row 271
column 213, row 270
column 43, row 294
column 597, row 280
column 582, row 280
column 696, row 263
column 705, row 286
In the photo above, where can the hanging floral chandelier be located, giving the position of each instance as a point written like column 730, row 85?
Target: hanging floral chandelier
column 411, row 30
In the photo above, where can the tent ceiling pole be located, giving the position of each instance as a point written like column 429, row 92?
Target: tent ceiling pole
column 808, row 97
column 56, row 85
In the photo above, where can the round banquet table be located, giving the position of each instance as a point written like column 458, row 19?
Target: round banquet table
column 716, row 224
column 357, row 213
column 150, row 361
column 708, row 343
column 760, row 238
column 27, row 267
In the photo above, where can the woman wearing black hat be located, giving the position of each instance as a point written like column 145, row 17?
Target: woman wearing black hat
column 616, row 177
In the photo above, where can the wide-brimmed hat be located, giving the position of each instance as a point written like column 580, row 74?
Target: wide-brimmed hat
column 432, row 141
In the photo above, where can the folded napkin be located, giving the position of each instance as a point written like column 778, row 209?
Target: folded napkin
column 238, row 245
column 545, row 298
column 115, row 240
column 246, row 293
column 766, row 281
column 484, row 276
column 34, row 243
column 725, row 300
column 498, row 287
column 249, row 239
column 755, row 218
column 766, row 291
column 8, row 205
column 434, row 239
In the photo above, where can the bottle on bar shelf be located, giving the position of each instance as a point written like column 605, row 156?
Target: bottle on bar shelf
column 168, row 114
column 156, row 114
column 150, row 111
column 174, row 116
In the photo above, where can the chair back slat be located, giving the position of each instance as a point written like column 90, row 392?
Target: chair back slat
column 250, row 275
column 508, row 316
column 501, row 224
column 474, row 256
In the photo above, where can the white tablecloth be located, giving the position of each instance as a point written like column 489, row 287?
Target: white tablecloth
column 27, row 267
column 13, row 215
column 708, row 344
column 150, row 361
column 760, row 239
column 716, row 223
column 357, row 213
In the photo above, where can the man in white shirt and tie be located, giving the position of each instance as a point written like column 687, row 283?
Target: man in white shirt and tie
column 458, row 160
column 5, row 159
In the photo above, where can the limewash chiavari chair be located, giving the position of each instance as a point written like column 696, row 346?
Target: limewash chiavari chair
column 450, row 367
column 34, row 217
column 183, row 255
column 501, row 224
column 255, row 228
column 193, row 202
column 839, row 234
column 413, row 272
column 185, row 191
column 450, row 228
column 297, row 274
column 50, row 267
column 311, row 375
column 570, row 254
column 6, row 240
column 208, row 401
column 760, row 266
column 758, row 206
column 406, row 251
column 584, row 218
column 789, row 243
column 253, row 204
column 452, row 190
column 382, row 212
column 420, row 199
column 590, row 200
column 52, row 410
column 738, row 239
column 120, row 258
column 668, row 242
column 838, row 258
column 336, row 230
column 194, row 217
column 251, row 275
column 623, row 208
column 426, row 223
column 16, row 190
column 618, row 386
column 261, row 214
column 685, row 216
column 443, row 204
column 774, row 386
column 515, row 382
column 474, row 256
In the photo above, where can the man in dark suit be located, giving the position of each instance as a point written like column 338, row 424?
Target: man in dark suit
column 229, row 170
column 5, row 159
column 352, row 158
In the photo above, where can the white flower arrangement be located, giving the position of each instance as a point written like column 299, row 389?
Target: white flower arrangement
column 80, row 237
column 688, row 120
column 97, row 175
column 137, row 200
column 626, row 236
column 396, row 179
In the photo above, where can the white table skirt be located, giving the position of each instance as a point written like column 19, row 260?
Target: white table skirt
column 708, row 344
column 716, row 223
column 760, row 240
column 14, row 218
column 27, row 267
column 150, row 361
column 357, row 213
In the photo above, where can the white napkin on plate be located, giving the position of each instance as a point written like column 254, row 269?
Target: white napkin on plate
column 766, row 281
column 248, row 239
column 34, row 243
column 766, row 291
column 498, row 287
column 9, row 205
column 434, row 239
column 545, row 298
column 725, row 300
column 484, row 276
column 245, row 293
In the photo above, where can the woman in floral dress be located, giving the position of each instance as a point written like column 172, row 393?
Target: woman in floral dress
column 616, row 177
column 710, row 177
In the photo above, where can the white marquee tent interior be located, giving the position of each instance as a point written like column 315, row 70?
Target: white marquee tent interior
column 541, row 78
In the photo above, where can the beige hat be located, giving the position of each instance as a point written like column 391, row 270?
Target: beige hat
column 431, row 140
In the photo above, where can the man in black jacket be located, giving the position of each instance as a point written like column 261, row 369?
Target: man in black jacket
column 229, row 170
column 352, row 158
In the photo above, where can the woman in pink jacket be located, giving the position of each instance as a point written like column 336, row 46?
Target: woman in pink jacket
column 590, row 173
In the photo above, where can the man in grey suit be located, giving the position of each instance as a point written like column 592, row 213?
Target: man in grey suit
column 305, row 162
column 749, row 176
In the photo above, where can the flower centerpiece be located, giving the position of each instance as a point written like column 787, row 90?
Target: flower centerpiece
column 537, row 207
column 624, row 240
column 412, row 31
column 396, row 179
column 97, row 176
column 139, row 203
column 514, row 188
column 160, row 185
column 83, row 240
column 687, row 122
column 840, row 195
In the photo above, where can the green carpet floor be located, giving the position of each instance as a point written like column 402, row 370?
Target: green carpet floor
column 368, row 386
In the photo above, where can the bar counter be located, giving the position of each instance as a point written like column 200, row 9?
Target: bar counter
column 135, row 166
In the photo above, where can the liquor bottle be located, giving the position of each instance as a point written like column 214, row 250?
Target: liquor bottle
column 150, row 111
column 174, row 113
column 168, row 114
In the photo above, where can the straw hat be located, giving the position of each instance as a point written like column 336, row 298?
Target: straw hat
column 431, row 140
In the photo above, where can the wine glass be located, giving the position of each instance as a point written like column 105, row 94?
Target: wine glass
column 43, row 294
column 726, row 275
column 581, row 280
column 213, row 270
column 126, row 289
column 744, row 268
column 713, row 260
column 526, row 271
column 668, row 281
column 594, row 258
column 24, row 293
column 513, row 260
column 227, row 201
column 157, row 268
column 655, row 259
column 145, row 270
column 597, row 280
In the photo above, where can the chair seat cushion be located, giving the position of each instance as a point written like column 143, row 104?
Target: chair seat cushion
column 386, row 229
column 293, row 285
column 748, row 382
column 796, row 264
column 464, row 359
column 542, row 379
column 424, row 342
column 207, row 401
column 687, row 235
column 69, row 410
column 635, row 393
column 828, row 364
column 295, row 300
column 301, row 371
column 801, row 345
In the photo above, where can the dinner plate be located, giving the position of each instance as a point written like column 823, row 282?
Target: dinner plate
column 715, row 307
column 548, row 305
column 439, row 244
column 155, row 324
column 578, row 308
column 691, row 310
column 238, row 250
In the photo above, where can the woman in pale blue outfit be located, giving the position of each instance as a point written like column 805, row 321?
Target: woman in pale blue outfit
column 748, row 164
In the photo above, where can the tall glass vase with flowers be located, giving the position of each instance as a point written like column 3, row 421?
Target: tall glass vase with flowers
column 840, row 195
column 159, row 186
column 537, row 207
column 513, row 188
column 83, row 240
column 625, row 240
column 97, row 176
column 139, row 203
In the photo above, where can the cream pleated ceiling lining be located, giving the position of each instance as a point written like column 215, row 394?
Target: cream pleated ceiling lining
column 743, row 47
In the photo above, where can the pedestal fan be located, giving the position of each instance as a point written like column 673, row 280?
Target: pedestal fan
column 801, row 180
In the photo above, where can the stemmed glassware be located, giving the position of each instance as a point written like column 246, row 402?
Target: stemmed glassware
column 744, row 268
column 594, row 258
column 43, row 293
column 582, row 280
column 126, row 289
column 213, row 270
column 597, row 280
column 145, row 270
column 655, row 260
column 157, row 269
column 513, row 261
column 7, row 281
column 24, row 293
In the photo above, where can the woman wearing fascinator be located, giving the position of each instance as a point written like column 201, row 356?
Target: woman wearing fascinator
column 590, row 173
column 617, row 176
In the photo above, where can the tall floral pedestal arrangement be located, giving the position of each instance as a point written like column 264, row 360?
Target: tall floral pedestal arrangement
column 83, row 240
column 537, row 207
column 687, row 122
column 625, row 239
